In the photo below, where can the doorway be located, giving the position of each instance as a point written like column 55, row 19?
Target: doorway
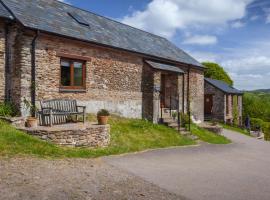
column 208, row 104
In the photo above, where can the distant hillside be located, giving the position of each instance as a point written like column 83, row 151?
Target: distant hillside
column 261, row 90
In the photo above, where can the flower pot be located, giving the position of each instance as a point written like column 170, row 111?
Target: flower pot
column 31, row 122
column 102, row 120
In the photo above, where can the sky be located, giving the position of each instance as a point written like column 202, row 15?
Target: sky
column 233, row 33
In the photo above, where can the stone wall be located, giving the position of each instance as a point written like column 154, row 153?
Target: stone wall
column 219, row 102
column 113, row 78
column 78, row 135
column 197, row 94
column 2, row 62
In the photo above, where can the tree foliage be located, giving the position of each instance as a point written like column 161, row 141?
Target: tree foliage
column 257, row 105
column 215, row 71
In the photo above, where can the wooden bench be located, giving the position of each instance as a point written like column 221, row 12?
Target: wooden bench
column 57, row 111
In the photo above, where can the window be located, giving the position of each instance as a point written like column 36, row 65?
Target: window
column 72, row 74
column 78, row 18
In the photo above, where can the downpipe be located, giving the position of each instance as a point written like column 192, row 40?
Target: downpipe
column 33, row 74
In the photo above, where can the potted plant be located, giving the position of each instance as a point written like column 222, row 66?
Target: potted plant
column 174, row 115
column 31, row 122
column 103, row 116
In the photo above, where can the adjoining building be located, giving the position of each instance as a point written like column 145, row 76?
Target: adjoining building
column 222, row 102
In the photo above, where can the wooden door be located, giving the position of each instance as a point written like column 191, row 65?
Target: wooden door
column 208, row 104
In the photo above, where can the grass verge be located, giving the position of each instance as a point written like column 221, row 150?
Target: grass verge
column 208, row 136
column 127, row 135
column 236, row 129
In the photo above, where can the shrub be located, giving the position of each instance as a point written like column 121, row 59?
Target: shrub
column 103, row 112
column 7, row 110
column 256, row 123
column 266, row 131
column 184, row 119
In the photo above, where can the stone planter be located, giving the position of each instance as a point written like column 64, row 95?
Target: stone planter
column 102, row 120
column 31, row 122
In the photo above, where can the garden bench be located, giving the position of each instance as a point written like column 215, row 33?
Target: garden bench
column 58, row 111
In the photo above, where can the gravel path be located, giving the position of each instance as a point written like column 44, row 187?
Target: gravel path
column 38, row 179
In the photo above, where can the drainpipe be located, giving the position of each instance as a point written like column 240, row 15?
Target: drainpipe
column 33, row 74
column 183, row 93
column 188, row 98
column 7, row 63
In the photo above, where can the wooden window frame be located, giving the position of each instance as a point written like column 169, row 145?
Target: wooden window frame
column 72, row 87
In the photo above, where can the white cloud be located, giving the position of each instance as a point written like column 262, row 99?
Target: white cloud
column 203, row 56
column 248, row 65
column 237, row 24
column 165, row 17
column 201, row 40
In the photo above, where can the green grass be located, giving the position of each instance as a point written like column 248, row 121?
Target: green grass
column 127, row 135
column 208, row 136
column 236, row 129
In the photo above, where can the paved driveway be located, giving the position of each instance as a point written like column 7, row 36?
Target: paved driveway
column 238, row 171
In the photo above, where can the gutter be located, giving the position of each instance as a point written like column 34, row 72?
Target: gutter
column 33, row 73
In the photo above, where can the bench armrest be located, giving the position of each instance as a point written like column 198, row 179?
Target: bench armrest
column 82, row 107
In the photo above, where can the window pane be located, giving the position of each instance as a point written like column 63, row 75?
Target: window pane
column 78, row 74
column 65, row 73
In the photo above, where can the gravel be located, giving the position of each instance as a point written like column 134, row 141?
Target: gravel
column 32, row 178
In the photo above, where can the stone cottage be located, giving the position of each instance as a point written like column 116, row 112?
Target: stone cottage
column 222, row 101
column 49, row 49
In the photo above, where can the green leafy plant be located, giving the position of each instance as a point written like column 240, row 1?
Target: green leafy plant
column 103, row 112
column 29, row 106
column 8, row 109
column 184, row 119
column 174, row 115
column 215, row 71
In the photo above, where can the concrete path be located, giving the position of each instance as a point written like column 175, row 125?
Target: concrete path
column 238, row 171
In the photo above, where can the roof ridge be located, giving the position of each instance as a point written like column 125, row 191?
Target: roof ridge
column 67, row 4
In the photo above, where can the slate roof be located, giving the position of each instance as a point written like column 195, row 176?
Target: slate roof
column 4, row 12
column 223, row 86
column 165, row 67
column 52, row 16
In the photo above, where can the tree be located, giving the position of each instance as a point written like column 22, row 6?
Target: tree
column 215, row 71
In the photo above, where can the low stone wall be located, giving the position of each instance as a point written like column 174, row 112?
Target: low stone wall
column 77, row 135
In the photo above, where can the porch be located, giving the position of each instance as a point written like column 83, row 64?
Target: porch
column 170, row 93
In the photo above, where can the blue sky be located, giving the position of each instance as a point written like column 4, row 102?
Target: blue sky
column 233, row 33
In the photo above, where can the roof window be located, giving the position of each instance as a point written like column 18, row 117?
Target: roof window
column 78, row 18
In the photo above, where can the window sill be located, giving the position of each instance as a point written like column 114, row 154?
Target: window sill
column 61, row 90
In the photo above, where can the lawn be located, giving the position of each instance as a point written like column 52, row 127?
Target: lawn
column 127, row 135
column 236, row 129
column 208, row 136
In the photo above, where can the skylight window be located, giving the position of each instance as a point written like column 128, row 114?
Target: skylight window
column 78, row 18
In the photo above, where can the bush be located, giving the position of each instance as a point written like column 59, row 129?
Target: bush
column 103, row 112
column 266, row 130
column 7, row 110
column 184, row 119
column 256, row 124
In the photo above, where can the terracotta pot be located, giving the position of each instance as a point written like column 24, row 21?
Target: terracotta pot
column 102, row 120
column 31, row 122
